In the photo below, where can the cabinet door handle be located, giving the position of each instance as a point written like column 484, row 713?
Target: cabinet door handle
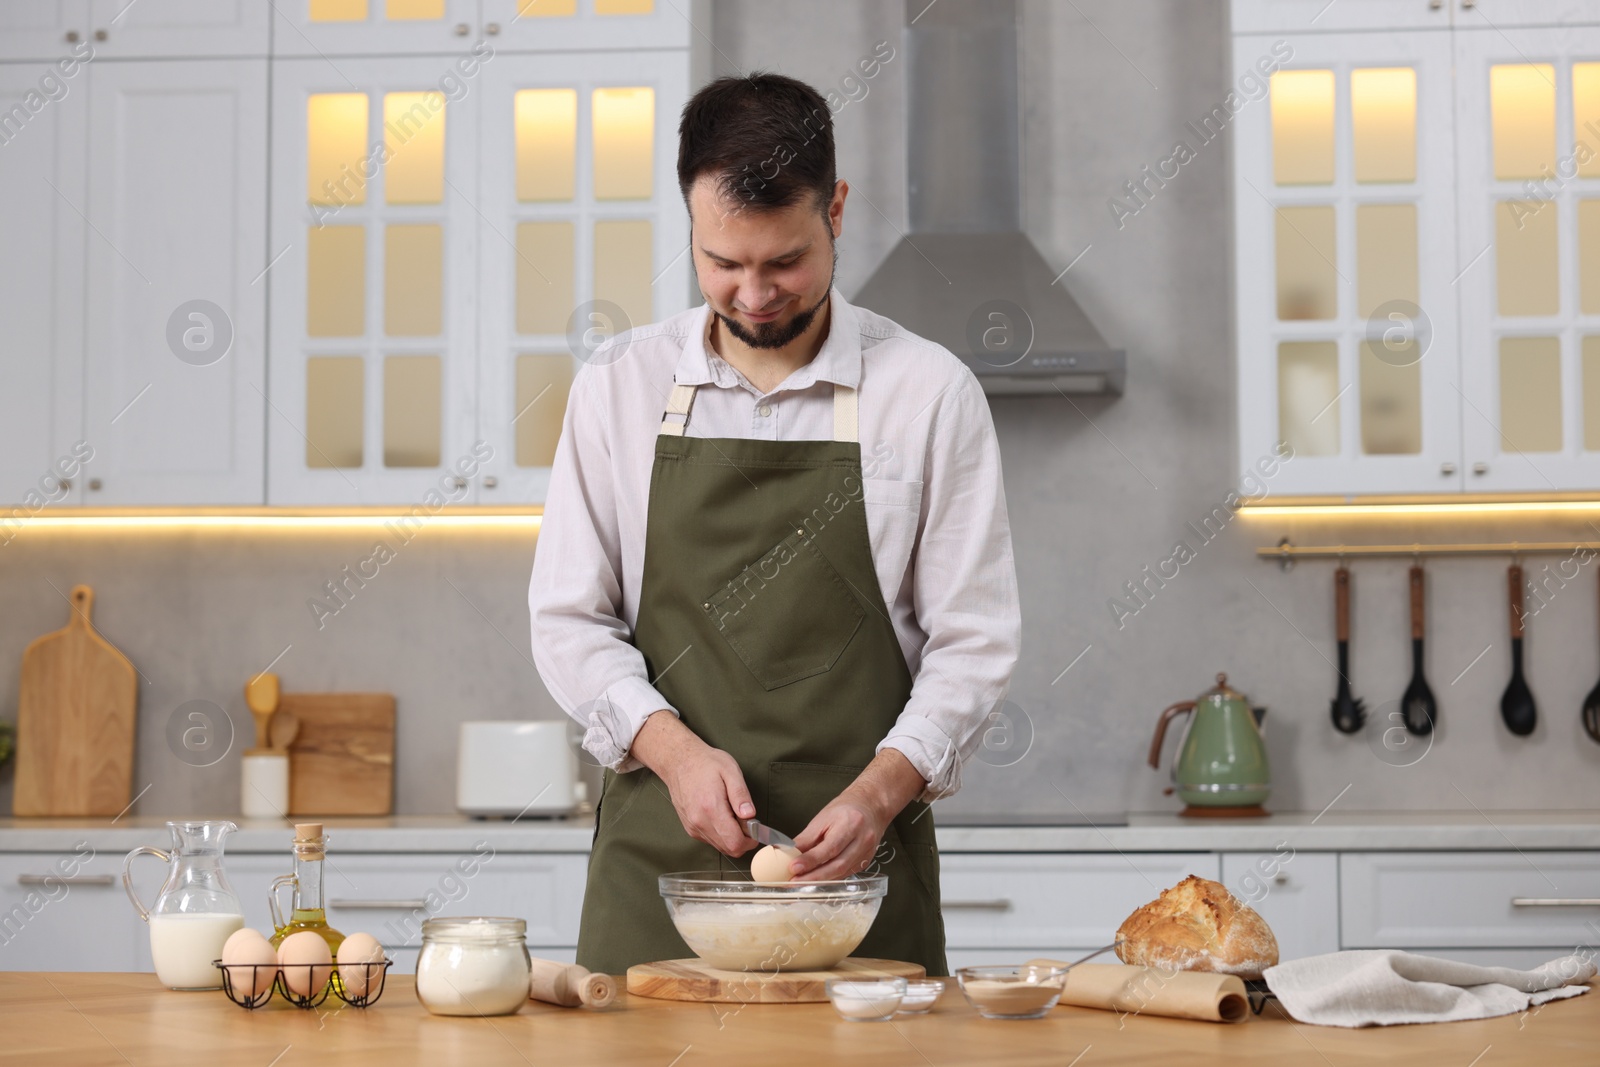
column 398, row 905
column 1555, row 902
column 56, row 879
column 999, row 904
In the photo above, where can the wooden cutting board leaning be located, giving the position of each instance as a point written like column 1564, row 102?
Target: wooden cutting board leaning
column 75, row 721
column 342, row 759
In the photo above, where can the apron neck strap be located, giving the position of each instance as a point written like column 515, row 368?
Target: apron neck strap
column 681, row 400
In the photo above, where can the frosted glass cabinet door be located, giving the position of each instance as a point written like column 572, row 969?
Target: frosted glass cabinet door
column 43, row 29
column 1528, row 181
column 553, row 25
column 176, row 315
column 375, row 27
column 374, row 364
column 583, row 235
column 41, row 291
column 1345, row 244
column 197, row 28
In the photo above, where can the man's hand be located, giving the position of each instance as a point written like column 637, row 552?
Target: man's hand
column 842, row 840
column 705, row 783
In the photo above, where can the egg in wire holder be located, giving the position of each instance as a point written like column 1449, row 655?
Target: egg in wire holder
column 334, row 984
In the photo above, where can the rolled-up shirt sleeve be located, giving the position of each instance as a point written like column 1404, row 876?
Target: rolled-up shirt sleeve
column 581, row 645
column 964, row 586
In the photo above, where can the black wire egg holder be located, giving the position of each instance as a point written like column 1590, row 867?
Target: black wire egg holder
column 334, row 984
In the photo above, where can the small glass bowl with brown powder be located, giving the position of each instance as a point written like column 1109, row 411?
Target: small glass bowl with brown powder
column 1025, row 992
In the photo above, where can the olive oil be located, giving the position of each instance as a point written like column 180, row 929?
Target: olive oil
column 307, row 911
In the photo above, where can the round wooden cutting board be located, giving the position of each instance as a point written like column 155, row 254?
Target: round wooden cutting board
column 698, row 980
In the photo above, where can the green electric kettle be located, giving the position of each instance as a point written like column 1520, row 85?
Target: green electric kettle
column 1221, row 767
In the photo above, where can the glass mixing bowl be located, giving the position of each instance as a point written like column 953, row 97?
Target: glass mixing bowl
column 738, row 925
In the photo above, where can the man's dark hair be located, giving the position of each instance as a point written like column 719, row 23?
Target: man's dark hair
column 767, row 140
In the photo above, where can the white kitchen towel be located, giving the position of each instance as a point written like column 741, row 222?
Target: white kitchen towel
column 1382, row 987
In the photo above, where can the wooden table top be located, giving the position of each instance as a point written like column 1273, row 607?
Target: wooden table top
column 71, row 1019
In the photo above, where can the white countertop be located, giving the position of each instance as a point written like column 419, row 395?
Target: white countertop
column 1153, row 832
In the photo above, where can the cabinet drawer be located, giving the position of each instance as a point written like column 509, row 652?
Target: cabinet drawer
column 1469, row 899
column 1297, row 893
column 1029, row 902
column 66, row 912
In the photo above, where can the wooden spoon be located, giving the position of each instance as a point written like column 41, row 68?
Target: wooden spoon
column 261, row 694
column 285, row 727
column 1418, row 709
column 1516, row 706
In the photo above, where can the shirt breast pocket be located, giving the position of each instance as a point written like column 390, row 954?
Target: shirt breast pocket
column 894, row 508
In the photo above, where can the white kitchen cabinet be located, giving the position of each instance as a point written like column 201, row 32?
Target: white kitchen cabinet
column 325, row 28
column 42, row 29
column 1330, row 16
column 1469, row 900
column 422, row 307
column 1528, row 183
column 176, row 309
column 170, row 28
column 583, row 233
column 1021, row 901
column 66, row 912
column 1345, row 228
column 374, row 232
column 1506, row 14
column 43, row 183
column 390, row 895
column 550, row 25
column 1297, row 893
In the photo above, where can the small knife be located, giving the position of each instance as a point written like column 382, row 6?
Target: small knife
column 756, row 831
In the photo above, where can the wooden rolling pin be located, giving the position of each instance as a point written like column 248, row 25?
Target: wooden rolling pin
column 568, row 985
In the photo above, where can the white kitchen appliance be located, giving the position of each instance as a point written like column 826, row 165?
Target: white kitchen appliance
column 513, row 769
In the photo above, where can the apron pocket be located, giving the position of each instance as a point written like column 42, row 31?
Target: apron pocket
column 788, row 616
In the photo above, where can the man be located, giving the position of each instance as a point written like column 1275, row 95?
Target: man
column 750, row 618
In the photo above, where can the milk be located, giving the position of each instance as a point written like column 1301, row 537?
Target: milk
column 183, row 947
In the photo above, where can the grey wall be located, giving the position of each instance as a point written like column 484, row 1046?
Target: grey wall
column 1096, row 492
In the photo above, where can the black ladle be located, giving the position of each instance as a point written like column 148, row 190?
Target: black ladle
column 1418, row 708
column 1591, row 713
column 1516, row 706
column 1348, row 713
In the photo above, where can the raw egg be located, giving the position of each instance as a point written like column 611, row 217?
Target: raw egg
column 771, row 864
column 298, row 950
column 358, row 949
column 251, row 963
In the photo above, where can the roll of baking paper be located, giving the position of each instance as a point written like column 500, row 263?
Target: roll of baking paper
column 1217, row 998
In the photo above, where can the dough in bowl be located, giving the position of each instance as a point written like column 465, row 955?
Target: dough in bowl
column 1198, row 925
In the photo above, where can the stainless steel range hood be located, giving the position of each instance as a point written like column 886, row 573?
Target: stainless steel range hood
column 966, row 276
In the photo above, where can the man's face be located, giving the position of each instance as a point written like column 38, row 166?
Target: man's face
column 765, row 274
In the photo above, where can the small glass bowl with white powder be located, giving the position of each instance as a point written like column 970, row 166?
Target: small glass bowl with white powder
column 735, row 924
column 866, row 1000
column 473, row 966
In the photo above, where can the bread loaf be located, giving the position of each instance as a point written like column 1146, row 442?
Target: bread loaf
column 1198, row 925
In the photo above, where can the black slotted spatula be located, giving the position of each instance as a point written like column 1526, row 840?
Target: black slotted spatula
column 1349, row 714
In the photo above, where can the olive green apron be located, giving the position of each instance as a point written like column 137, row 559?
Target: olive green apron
column 761, row 621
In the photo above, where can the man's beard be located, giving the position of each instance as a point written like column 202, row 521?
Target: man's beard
column 777, row 333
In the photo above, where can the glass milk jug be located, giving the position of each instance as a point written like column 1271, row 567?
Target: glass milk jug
column 195, row 911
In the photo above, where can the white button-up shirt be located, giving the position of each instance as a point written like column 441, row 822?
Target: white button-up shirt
column 936, row 518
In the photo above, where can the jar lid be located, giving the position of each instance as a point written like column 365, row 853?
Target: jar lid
column 474, row 928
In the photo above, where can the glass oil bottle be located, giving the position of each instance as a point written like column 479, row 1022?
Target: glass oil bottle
column 307, row 911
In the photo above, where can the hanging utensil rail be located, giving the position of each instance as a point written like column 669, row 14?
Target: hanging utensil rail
column 1286, row 552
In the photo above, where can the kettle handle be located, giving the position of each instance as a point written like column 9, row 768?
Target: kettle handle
column 1161, row 729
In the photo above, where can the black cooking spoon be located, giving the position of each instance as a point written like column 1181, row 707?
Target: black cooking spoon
column 1516, row 706
column 1591, row 713
column 1418, row 708
column 1348, row 713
